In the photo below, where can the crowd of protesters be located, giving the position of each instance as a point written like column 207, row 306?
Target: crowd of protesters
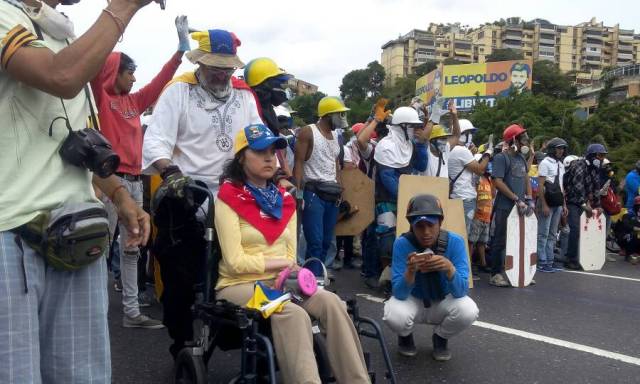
column 279, row 196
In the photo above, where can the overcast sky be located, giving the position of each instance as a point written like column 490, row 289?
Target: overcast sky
column 321, row 41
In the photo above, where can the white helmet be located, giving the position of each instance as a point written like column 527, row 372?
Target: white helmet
column 569, row 159
column 466, row 125
column 405, row 115
column 281, row 110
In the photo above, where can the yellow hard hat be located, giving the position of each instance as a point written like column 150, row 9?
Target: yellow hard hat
column 260, row 69
column 438, row 131
column 331, row 104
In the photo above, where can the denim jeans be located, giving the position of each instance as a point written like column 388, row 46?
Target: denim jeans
column 547, row 234
column 318, row 222
column 469, row 206
column 575, row 211
column 128, row 256
column 499, row 240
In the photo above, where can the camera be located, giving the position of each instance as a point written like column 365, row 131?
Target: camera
column 89, row 149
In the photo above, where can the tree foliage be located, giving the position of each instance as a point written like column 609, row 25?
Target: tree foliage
column 549, row 80
column 306, row 107
column 504, row 54
column 425, row 68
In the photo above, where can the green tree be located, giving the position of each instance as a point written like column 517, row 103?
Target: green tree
column 425, row 68
column 355, row 85
column 401, row 93
column 306, row 107
column 376, row 79
column 504, row 54
column 549, row 80
column 361, row 84
column 452, row 61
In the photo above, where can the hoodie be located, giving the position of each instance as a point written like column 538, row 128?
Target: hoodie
column 120, row 113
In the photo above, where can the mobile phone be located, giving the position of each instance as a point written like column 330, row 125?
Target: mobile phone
column 163, row 4
column 427, row 254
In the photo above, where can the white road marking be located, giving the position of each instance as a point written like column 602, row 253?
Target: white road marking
column 603, row 275
column 560, row 343
column 369, row 297
column 545, row 339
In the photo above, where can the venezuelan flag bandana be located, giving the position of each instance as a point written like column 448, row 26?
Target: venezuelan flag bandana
column 243, row 202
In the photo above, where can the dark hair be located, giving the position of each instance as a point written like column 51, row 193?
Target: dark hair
column 233, row 170
column 521, row 67
column 126, row 63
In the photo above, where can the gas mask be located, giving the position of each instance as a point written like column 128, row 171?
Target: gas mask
column 51, row 21
column 272, row 92
column 596, row 163
column 523, row 139
column 467, row 139
column 339, row 121
column 440, row 145
column 408, row 131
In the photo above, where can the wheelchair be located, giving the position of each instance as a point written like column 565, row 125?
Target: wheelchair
column 219, row 324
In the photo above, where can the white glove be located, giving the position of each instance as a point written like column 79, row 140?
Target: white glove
column 182, row 27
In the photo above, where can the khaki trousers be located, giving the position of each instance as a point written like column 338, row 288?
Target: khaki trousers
column 293, row 337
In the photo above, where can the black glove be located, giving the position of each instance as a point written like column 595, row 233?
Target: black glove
column 175, row 181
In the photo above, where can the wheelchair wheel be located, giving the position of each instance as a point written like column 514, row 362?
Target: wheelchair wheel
column 322, row 358
column 189, row 368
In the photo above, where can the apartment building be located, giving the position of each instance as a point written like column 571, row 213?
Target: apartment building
column 586, row 48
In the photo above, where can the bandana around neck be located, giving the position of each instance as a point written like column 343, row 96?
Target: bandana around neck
column 243, row 201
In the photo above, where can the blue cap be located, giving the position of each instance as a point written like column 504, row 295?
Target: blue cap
column 257, row 137
column 433, row 219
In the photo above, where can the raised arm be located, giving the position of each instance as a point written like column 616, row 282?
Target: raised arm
column 64, row 74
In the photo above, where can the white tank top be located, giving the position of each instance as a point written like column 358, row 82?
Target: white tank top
column 321, row 165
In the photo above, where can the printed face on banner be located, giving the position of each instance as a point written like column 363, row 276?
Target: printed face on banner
column 468, row 83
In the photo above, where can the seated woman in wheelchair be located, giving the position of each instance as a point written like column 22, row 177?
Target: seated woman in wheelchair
column 256, row 225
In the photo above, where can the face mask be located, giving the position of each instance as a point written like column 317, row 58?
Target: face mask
column 524, row 150
column 278, row 96
column 596, row 163
column 52, row 22
column 467, row 139
column 441, row 145
column 339, row 120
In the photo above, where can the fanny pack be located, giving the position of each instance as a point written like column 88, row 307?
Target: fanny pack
column 326, row 190
column 70, row 237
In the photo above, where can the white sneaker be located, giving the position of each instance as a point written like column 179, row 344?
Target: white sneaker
column 499, row 281
column 141, row 321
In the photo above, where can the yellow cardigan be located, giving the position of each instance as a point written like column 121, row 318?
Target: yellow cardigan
column 244, row 248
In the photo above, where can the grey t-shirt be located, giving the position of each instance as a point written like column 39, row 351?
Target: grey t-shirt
column 514, row 177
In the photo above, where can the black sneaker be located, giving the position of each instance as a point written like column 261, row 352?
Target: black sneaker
column 406, row 346
column 440, row 350
column 573, row 266
column 372, row 282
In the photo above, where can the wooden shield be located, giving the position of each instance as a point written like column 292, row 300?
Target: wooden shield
column 521, row 249
column 592, row 242
column 359, row 192
column 411, row 185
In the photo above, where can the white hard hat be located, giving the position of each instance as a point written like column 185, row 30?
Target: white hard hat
column 405, row 115
column 281, row 110
column 466, row 125
column 569, row 159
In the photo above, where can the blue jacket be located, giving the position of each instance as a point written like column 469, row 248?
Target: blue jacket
column 456, row 252
column 390, row 177
column 631, row 187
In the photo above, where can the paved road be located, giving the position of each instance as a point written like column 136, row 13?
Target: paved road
column 589, row 326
